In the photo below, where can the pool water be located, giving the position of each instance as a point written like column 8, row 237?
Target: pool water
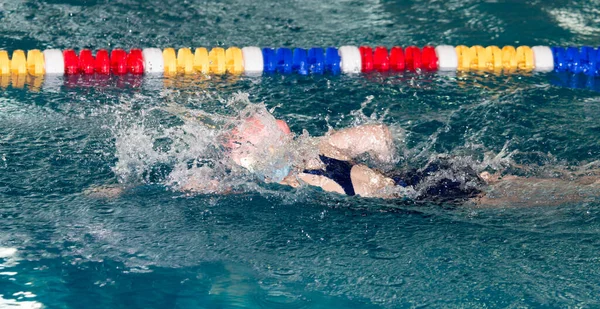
column 274, row 247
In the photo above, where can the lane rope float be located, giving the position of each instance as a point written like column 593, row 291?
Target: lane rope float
column 347, row 59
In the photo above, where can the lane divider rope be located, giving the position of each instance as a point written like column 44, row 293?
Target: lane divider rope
column 347, row 59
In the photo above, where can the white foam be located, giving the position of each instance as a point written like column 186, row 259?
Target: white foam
column 576, row 21
column 24, row 294
column 13, row 303
column 8, row 273
column 193, row 150
column 7, row 252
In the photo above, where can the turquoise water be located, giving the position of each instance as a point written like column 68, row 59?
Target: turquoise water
column 273, row 247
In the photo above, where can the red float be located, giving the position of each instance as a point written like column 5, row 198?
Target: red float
column 397, row 62
column 430, row 59
column 381, row 60
column 71, row 62
column 102, row 62
column 366, row 54
column 118, row 61
column 413, row 58
column 135, row 62
column 87, row 63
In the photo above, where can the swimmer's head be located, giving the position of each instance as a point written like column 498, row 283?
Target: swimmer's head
column 283, row 126
column 254, row 131
column 258, row 144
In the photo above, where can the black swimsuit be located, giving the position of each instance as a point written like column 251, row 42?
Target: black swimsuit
column 443, row 190
column 338, row 171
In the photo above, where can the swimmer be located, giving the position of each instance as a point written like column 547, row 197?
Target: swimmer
column 260, row 144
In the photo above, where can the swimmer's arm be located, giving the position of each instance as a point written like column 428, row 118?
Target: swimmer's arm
column 366, row 182
column 212, row 186
column 514, row 191
column 349, row 143
column 313, row 180
column 192, row 186
column 370, row 183
column 105, row 191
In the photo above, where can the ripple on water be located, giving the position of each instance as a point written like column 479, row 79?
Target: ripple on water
column 384, row 253
column 273, row 294
column 283, row 272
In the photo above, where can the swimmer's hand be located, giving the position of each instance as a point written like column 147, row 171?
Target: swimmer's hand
column 312, row 180
column 195, row 186
column 105, row 191
column 291, row 181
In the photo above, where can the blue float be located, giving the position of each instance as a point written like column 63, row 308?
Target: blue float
column 269, row 59
column 332, row 60
column 316, row 60
column 284, row 60
column 300, row 61
column 574, row 60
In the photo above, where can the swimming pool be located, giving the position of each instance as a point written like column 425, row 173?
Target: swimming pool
column 272, row 247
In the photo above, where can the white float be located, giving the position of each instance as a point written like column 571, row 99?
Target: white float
column 253, row 60
column 350, row 59
column 543, row 59
column 153, row 60
column 447, row 58
column 54, row 62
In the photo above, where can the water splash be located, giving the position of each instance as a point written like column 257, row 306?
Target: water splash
column 18, row 304
column 191, row 149
column 9, row 258
column 196, row 149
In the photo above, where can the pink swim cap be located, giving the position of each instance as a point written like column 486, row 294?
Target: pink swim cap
column 253, row 131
